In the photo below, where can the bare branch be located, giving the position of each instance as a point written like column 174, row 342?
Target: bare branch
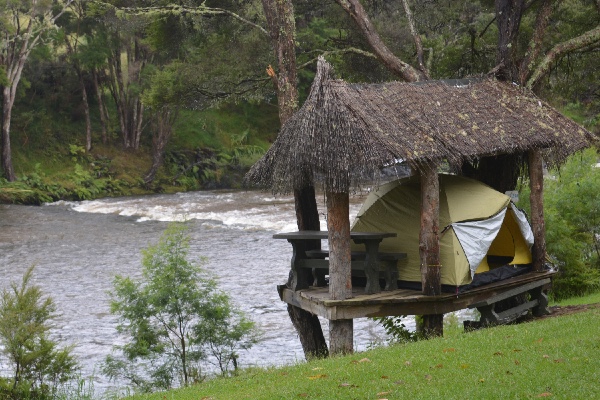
column 487, row 27
column 416, row 38
column 590, row 38
column 175, row 9
column 342, row 51
column 392, row 63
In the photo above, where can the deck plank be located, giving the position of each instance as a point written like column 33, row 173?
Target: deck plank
column 400, row 301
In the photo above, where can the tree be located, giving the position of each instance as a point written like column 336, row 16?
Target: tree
column 74, row 35
column 175, row 317
column 163, row 99
column 282, row 30
column 37, row 364
column 23, row 25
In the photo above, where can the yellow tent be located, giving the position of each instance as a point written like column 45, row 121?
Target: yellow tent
column 480, row 229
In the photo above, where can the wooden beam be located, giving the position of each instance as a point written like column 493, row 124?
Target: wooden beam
column 341, row 336
column 340, row 275
column 338, row 225
column 429, row 247
column 429, row 238
column 536, row 199
column 409, row 302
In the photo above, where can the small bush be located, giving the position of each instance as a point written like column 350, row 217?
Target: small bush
column 176, row 319
column 38, row 367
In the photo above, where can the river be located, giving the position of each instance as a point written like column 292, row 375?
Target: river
column 78, row 247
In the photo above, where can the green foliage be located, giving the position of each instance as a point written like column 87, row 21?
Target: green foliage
column 213, row 169
column 32, row 188
column 395, row 328
column 572, row 214
column 77, row 152
column 176, row 318
column 37, row 365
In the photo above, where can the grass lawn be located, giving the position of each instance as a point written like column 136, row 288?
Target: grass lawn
column 550, row 358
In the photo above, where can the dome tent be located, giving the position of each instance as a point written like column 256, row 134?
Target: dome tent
column 480, row 228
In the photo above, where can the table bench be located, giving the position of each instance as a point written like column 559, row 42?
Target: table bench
column 538, row 304
column 388, row 265
column 303, row 265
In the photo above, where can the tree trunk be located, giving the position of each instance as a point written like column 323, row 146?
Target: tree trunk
column 398, row 67
column 129, row 108
column 536, row 185
column 282, row 30
column 429, row 247
column 502, row 172
column 340, row 274
column 7, row 104
column 508, row 18
column 117, row 91
column 163, row 128
column 86, row 110
column 309, row 331
column 101, row 107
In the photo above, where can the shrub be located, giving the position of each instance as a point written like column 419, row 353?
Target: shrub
column 175, row 318
column 37, row 365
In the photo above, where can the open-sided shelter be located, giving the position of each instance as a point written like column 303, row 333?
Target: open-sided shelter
column 345, row 133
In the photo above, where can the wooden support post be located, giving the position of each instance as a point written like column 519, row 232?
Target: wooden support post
column 341, row 336
column 433, row 325
column 429, row 246
column 340, row 275
column 536, row 199
column 338, row 225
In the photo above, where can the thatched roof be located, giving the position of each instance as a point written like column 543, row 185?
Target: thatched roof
column 346, row 132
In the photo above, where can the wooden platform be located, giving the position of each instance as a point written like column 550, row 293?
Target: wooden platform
column 402, row 301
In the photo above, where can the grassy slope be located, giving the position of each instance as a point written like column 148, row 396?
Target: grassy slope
column 554, row 357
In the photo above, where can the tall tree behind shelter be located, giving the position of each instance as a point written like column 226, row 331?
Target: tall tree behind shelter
column 23, row 26
column 282, row 30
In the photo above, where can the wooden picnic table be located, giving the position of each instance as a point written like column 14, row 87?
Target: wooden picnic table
column 309, row 262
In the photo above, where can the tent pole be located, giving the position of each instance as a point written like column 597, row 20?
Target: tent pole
column 429, row 246
column 340, row 279
column 536, row 199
